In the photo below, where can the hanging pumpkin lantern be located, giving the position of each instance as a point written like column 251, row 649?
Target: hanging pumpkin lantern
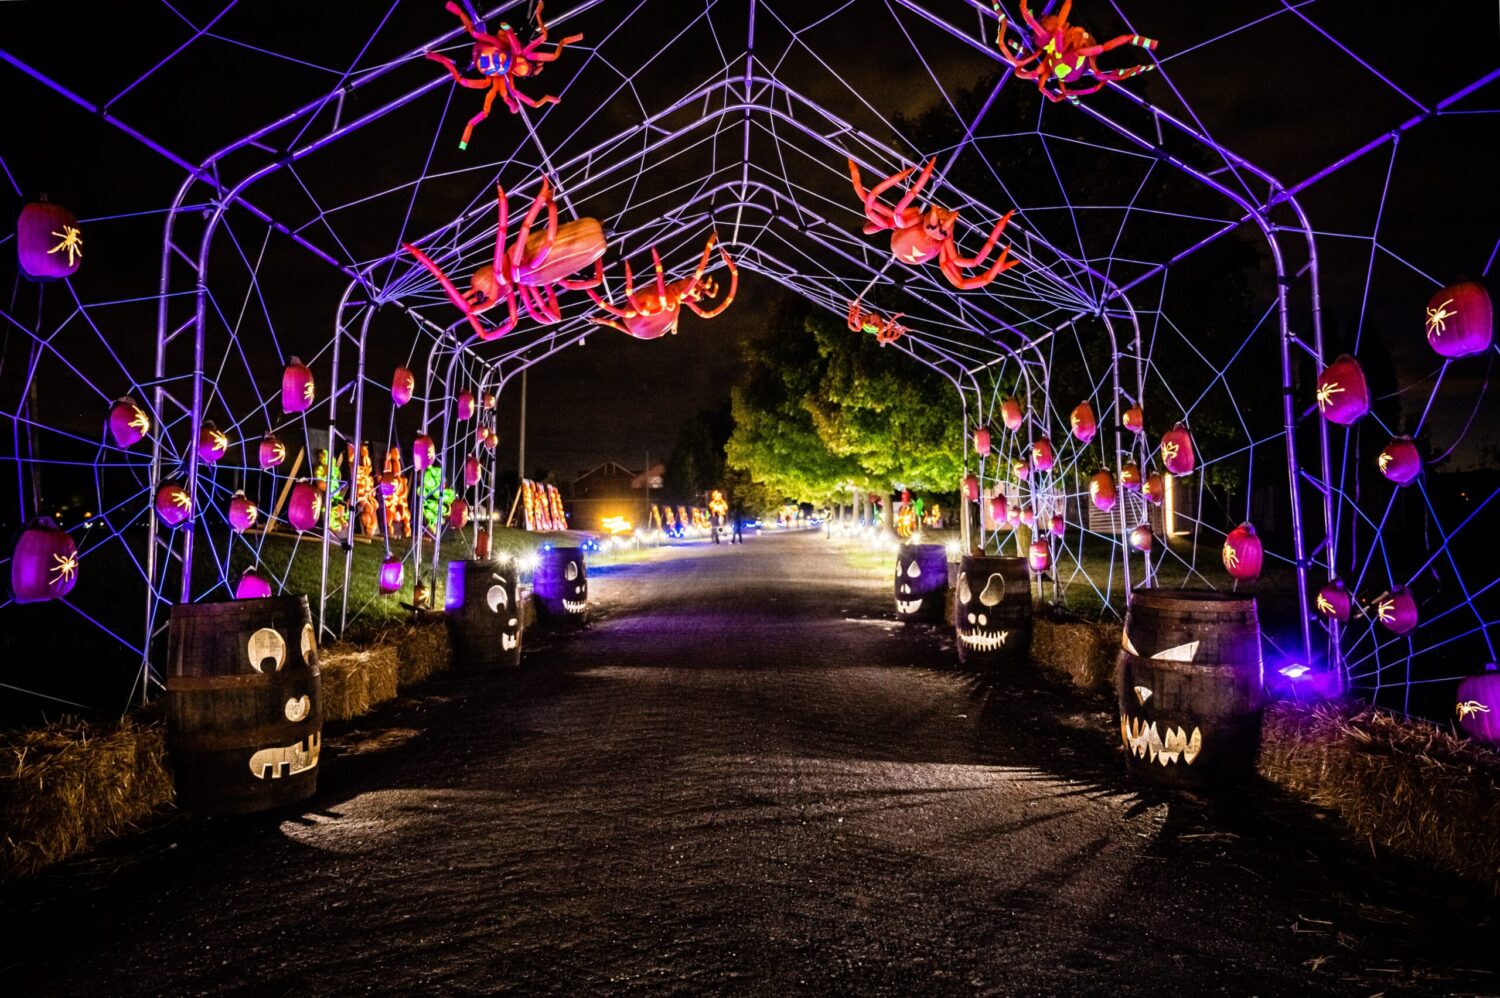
column 253, row 585
column 297, row 387
column 1042, row 455
column 423, row 452
column 465, row 405
column 173, row 504
column 1460, row 320
column 1400, row 461
column 482, row 545
column 1243, row 553
column 49, row 245
column 1130, row 477
column 491, row 440
column 305, row 506
column 1013, row 514
column 1083, row 422
column 1058, row 524
column 403, row 384
column 272, row 451
column 1010, row 414
column 471, row 471
column 971, row 487
column 998, row 510
column 1134, row 419
column 1343, row 396
column 44, row 564
column 242, row 512
column 1334, row 602
column 1102, row 490
column 1142, row 538
column 212, row 444
column 488, row 401
column 1027, row 516
column 387, row 484
column 1478, row 706
column 1154, row 489
column 1177, row 451
column 128, row 422
column 1021, row 468
column 982, row 441
column 1397, row 610
column 392, row 572
column 458, row 514
column 1040, row 556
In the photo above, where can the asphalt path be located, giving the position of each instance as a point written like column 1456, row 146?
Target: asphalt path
column 744, row 777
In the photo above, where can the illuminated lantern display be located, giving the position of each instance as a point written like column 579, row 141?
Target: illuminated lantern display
column 1040, row 556
column 272, row 451
column 561, row 584
column 487, row 400
column 212, row 444
column 465, row 405
column 921, row 581
column 471, row 471
column 1013, row 514
column 1042, row 455
column 982, row 441
column 458, row 514
column 1010, row 414
column 44, row 564
column 173, row 504
column 1083, row 422
column 992, row 612
column 392, row 573
column 1478, row 706
column 1334, row 602
column 998, row 510
column 1142, row 538
column 423, row 452
column 1021, row 468
column 49, row 246
column 1130, row 477
column 252, row 585
column 1177, row 451
column 491, row 440
column 483, row 606
column 1102, row 490
column 482, row 544
column 1460, row 320
column 1343, row 395
column 1058, row 524
column 403, row 384
column 305, row 506
column 128, row 422
column 1154, row 489
column 1134, row 419
column 242, row 512
column 297, row 387
column 1027, row 516
column 1397, row 610
column 386, row 485
column 1242, row 553
column 971, row 487
column 1400, row 461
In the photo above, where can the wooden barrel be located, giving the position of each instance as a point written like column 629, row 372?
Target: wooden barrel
column 561, row 584
column 244, row 711
column 992, row 612
column 484, row 615
column 921, row 582
column 1189, row 685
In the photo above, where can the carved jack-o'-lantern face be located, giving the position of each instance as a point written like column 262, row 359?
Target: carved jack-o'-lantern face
column 268, row 654
column 1158, row 741
column 921, row 580
column 976, row 630
column 266, row 645
column 575, row 587
column 499, row 599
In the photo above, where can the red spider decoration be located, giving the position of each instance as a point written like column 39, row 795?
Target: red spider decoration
column 1065, row 52
column 920, row 236
column 884, row 330
column 531, row 266
column 501, row 60
column 655, row 312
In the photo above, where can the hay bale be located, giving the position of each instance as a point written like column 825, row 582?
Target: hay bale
column 422, row 649
column 1400, row 783
column 381, row 672
column 345, row 683
column 1081, row 650
column 70, row 785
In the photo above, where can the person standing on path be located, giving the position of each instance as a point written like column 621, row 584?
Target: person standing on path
column 738, row 513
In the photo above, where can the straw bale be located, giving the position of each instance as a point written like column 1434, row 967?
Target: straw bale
column 345, row 682
column 422, row 649
column 381, row 670
column 1082, row 650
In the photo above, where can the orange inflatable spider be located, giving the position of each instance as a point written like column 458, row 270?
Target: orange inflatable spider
column 654, row 311
column 501, row 60
column 1066, row 53
column 884, row 330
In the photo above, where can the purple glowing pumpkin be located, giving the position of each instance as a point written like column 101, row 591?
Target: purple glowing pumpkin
column 44, row 564
column 1460, row 320
column 128, row 422
column 1400, row 461
column 1342, row 393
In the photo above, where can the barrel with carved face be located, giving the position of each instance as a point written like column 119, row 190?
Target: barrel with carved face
column 921, row 582
column 484, row 614
column 992, row 612
column 244, row 715
column 561, row 585
column 1189, row 684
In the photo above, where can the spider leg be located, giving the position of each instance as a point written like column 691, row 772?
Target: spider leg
column 453, row 293
column 1140, row 41
column 583, row 284
column 502, row 232
column 879, row 215
column 1032, row 22
column 958, row 280
column 612, row 324
column 453, row 71
column 899, row 211
column 734, row 283
column 611, row 309
column 518, row 248
column 661, row 278
column 507, row 89
column 854, row 323
column 541, row 39
column 463, row 16
column 489, row 102
column 545, row 194
column 984, row 251
column 498, row 331
column 541, row 102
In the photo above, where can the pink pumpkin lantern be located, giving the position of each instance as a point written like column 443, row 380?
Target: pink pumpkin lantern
column 128, row 422
column 1040, row 556
column 49, row 245
column 1010, row 414
column 1013, row 514
column 387, row 484
column 1243, row 553
column 1021, row 469
column 1177, row 451
column 1083, row 423
column 1134, row 419
column 272, row 451
column 1142, row 538
column 1130, row 477
column 173, row 504
column 982, row 441
column 1478, row 706
column 305, row 506
column 487, row 400
column 1059, row 525
column 403, row 384
column 471, row 471
column 1343, row 396
column 1102, row 490
column 1154, row 489
column 212, row 444
column 44, row 564
column 423, row 452
column 971, row 487
column 1400, row 461
column 1460, row 320
column 1397, row 610
column 491, row 440
column 1333, row 601
column 392, row 573
column 999, row 508
column 458, row 514
column 297, row 387
column 253, row 585
column 464, row 404
column 1027, row 516
column 242, row 512
column 1042, row 455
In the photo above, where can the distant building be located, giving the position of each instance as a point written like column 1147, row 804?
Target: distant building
column 612, row 490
